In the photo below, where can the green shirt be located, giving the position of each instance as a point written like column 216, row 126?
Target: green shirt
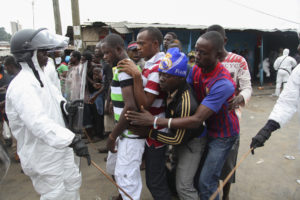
column 62, row 68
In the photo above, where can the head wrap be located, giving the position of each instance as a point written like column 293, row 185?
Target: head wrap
column 132, row 46
column 174, row 63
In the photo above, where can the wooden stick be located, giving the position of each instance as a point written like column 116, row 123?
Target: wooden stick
column 220, row 188
column 102, row 171
column 109, row 178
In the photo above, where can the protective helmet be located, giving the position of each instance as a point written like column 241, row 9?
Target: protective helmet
column 28, row 40
column 25, row 42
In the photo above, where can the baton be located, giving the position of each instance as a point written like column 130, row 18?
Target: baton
column 111, row 180
column 103, row 172
column 213, row 196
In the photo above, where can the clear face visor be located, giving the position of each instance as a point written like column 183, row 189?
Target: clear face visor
column 50, row 41
column 4, row 163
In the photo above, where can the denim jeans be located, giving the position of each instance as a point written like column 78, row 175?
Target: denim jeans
column 218, row 149
column 99, row 103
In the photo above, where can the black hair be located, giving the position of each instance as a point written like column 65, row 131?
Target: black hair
column 76, row 54
column 10, row 60
column 88, row 55
column 154, row 33
column 217, row 28
column 114, row 40
column 215, row 38
column 172, row 34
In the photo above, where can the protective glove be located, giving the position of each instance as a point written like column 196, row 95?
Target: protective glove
column 264, row 134
column 80, row 148
column 71, row 108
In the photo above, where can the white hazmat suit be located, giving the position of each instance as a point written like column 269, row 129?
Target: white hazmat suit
column 51, row 72
column 289, row 99
column 284, row 64
column 37, row 123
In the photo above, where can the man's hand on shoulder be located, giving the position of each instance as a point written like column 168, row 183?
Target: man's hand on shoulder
column 129, row 67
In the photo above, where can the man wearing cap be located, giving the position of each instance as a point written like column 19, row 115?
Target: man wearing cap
column 134, row 55
column 214, row 88
column 180, row 102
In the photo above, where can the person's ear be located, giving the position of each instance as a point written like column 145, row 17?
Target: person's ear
column 119, row 50
column 156, row 43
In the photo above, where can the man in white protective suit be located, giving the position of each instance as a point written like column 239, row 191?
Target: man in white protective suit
column 35, row 110
column 284, row 109
column 284, row 66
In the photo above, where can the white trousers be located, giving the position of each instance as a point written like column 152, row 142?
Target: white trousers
column 125, row 166
column 60, row 181
column 282, row 78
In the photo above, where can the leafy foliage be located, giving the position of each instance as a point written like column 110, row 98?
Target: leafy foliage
column 4, row 36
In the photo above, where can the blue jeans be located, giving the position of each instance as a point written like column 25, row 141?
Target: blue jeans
column 218, row 149
column 99, row 103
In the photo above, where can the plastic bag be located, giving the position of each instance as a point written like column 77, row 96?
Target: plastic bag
column 6, row 131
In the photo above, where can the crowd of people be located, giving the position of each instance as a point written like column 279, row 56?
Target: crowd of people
column 149, row 100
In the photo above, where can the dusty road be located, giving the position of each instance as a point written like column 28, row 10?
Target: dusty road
column 273, row 178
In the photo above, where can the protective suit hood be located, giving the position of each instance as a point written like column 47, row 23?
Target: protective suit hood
column 286, row 52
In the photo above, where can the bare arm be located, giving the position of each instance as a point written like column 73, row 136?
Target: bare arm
column 142, row 98
column 129, row 102
column 127, row 93
column 195, row 121
column 93, row 98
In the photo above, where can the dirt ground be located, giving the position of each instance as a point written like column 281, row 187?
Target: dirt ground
column 266, row 175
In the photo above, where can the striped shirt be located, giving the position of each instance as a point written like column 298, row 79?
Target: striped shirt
column 238, row 69
column 151, row 85
column 208, row 88
column 120, row 80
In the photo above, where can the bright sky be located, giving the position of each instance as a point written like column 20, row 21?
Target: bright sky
column 227, row 13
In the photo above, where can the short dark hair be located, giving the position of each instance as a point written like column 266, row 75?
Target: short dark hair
column 154, row 33
column 217, row 28
column 88, row 55
column 76, row 54
column 172, row 34
column 10, row 60
column 215, row 38
column 114, row 40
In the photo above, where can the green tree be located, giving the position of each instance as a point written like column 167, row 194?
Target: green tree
column 4, row 36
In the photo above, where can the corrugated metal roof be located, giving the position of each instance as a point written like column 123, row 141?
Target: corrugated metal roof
column 124, row 27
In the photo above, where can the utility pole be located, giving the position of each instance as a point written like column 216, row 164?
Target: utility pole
column 32, row 4
column 76, row 24
column 57, row 17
